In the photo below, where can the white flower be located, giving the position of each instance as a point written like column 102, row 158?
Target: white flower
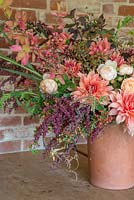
column 125, row 69
column 49, row 86
column 108, row 70
column 46, row 76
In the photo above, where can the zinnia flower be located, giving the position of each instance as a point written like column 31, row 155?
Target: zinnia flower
column 91, row 85
column 123, row 107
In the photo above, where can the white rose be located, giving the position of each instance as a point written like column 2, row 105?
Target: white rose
column 108, row 70
column 125, row 69
column 49, row 86
column 46, row 76
column 111, row 63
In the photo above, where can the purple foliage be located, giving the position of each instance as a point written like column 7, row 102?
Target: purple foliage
column 65, row 116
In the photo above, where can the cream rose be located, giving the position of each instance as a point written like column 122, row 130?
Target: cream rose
column 49, row 86
column 128, row 85
column 46, row 76
column 125, row 69
column 108, row 70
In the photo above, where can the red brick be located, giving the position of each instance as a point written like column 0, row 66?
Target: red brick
column 16, row 133
column 130, row 24
column 31, row 15
column 2, row 15
column 31, row 120
column 126, row 10
column 1, row 110
column 20, row 110
column 10, row 146
column 53, row 5
column 37, row 4
column 27, row 144
column 1, row 135
column 120, row 0
column 108, row 8
column 10, row 121
column 51, row 19
column 4, row 51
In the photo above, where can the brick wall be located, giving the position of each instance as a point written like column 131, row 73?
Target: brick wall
column 16, row 129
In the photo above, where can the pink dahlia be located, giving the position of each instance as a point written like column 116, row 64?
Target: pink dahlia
column 16, row 48
column 118, row 58
column 102, row 46
column 123, row 107
column 72, row 68
column 91, row 85
column 61, row 39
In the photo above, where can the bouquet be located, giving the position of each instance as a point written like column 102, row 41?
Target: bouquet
column 77, row 77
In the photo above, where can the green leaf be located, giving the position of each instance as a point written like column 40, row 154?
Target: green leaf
column 126, row 20
column 33, row 149
column 66, row 95
column 131, row 32
column 29, row 76
column 119, row 24
column 71, row 15
column 21, row 66
column 31, row 67
column 1, row 2
column 99, row 107
column 4, row 98
column 69, row 25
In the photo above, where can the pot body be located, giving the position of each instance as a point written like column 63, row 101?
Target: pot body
column 111, row 159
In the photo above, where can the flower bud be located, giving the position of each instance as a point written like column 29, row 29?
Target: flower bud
column 48, row 86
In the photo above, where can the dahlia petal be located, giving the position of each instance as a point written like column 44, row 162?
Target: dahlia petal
column 113, row 112
column 114, row 105
column 25, row 59
column 82, row 83
column 81, row 74
column 16, row 48
column 130, row 126
column 113, row 96
column 120, row 119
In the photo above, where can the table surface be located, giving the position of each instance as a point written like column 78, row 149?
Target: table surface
column 24, row 176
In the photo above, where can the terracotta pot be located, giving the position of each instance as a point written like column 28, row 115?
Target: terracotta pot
column 111, row 159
